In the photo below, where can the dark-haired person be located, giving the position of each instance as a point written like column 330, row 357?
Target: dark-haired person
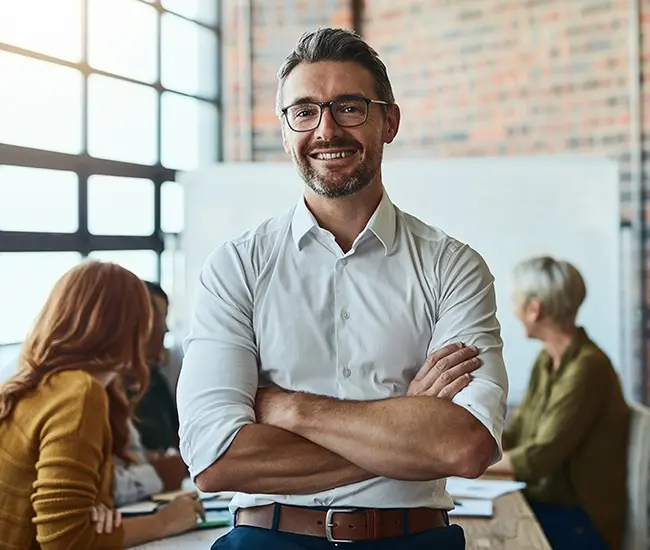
column 326, row 373
column 156, row 417
column 64, row 415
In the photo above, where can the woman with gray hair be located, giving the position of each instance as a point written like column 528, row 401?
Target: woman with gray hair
column 568, row 438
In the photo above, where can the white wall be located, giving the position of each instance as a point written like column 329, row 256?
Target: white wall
column 506, row 208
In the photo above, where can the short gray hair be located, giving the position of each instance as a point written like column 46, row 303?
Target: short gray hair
column 558, row 286
column 327, row 44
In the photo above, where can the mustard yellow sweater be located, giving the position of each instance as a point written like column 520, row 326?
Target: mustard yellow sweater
column 55, row 464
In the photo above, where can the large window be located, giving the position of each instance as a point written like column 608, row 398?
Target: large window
column 101, row 102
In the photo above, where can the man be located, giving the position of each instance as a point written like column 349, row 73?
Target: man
column 331, row 310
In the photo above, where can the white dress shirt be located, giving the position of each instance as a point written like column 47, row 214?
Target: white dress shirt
column 283, row 305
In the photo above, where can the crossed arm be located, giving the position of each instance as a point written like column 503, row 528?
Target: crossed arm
column 303, row 443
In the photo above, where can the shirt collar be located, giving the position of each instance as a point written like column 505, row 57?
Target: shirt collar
column 302, row 223
column 382, row 222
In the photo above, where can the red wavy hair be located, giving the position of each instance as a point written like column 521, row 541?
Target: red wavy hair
column 98, row 319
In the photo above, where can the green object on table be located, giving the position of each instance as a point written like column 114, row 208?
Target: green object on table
column 215, row 518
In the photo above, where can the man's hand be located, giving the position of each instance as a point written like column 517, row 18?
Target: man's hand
column 445, row 372
column 272, row 406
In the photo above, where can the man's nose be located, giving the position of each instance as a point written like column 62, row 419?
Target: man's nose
column 328, row 128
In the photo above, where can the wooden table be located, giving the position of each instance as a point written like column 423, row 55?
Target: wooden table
column 512, row 527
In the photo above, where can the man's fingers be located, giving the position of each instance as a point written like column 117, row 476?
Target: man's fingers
column 436, row 356
column 447, row 363
column 454, row 373
column 450, row 391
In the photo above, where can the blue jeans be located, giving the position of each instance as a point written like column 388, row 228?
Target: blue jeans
column 254, row 538
column 567, row 528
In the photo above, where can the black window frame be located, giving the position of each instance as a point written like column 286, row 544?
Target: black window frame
column 84, row 165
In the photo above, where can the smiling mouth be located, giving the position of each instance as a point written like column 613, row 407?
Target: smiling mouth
column 332, row 156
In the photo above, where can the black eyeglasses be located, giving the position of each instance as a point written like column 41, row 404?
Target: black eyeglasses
column 349, row 111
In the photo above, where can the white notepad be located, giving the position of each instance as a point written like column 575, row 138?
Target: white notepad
column 481, row 488
column 138, row 508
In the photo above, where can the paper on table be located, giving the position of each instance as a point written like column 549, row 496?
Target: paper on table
column 482, row 488
column 471, row 507
column 138, row 508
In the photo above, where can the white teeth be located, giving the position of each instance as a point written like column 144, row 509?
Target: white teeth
column 328, row 156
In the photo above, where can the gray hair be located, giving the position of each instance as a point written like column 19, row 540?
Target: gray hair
column 327, row 44
column 558, row 286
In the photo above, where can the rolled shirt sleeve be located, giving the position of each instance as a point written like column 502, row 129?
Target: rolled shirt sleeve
column 219, row 376
column 467, row 313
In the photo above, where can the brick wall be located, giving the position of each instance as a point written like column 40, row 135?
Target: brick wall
column 507, row 77
column 476, row 77
column 276, row 26
column 473, row 77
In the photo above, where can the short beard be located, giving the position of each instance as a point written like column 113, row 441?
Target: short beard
column 360, row 179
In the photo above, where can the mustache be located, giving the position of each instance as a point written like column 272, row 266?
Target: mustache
column 335, row 144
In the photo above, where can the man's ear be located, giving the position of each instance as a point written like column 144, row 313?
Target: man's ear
column 391, row 126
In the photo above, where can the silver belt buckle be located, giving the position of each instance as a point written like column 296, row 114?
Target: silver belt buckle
column 329, row 524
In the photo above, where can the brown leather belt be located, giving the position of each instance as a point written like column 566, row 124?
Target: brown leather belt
column 344, row 524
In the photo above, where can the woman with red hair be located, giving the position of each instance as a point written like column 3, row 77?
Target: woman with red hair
column 65, row 413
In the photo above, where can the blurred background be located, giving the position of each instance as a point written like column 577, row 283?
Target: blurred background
column 105, row 103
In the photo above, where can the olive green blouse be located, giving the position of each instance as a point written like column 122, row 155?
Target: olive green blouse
column 568, row 438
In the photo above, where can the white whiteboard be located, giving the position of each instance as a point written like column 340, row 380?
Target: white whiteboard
column 506, row 208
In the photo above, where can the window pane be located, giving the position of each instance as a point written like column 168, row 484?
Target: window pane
column 134, row 54
column 171, row 206
column 52, row 27
column 20, row 301
column 120, row 206
column 189, row 57
column 199, row 10
column 144, row 263
column 122, row 120
column 189, row 132
column 56, row 208
column 42, row 106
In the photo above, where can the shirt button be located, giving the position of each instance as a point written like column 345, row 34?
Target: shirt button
column 344, row 261
column 346, row 372
column 345, row 315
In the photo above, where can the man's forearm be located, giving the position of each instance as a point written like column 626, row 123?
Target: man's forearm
column 408, row 438
column 269, row 460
